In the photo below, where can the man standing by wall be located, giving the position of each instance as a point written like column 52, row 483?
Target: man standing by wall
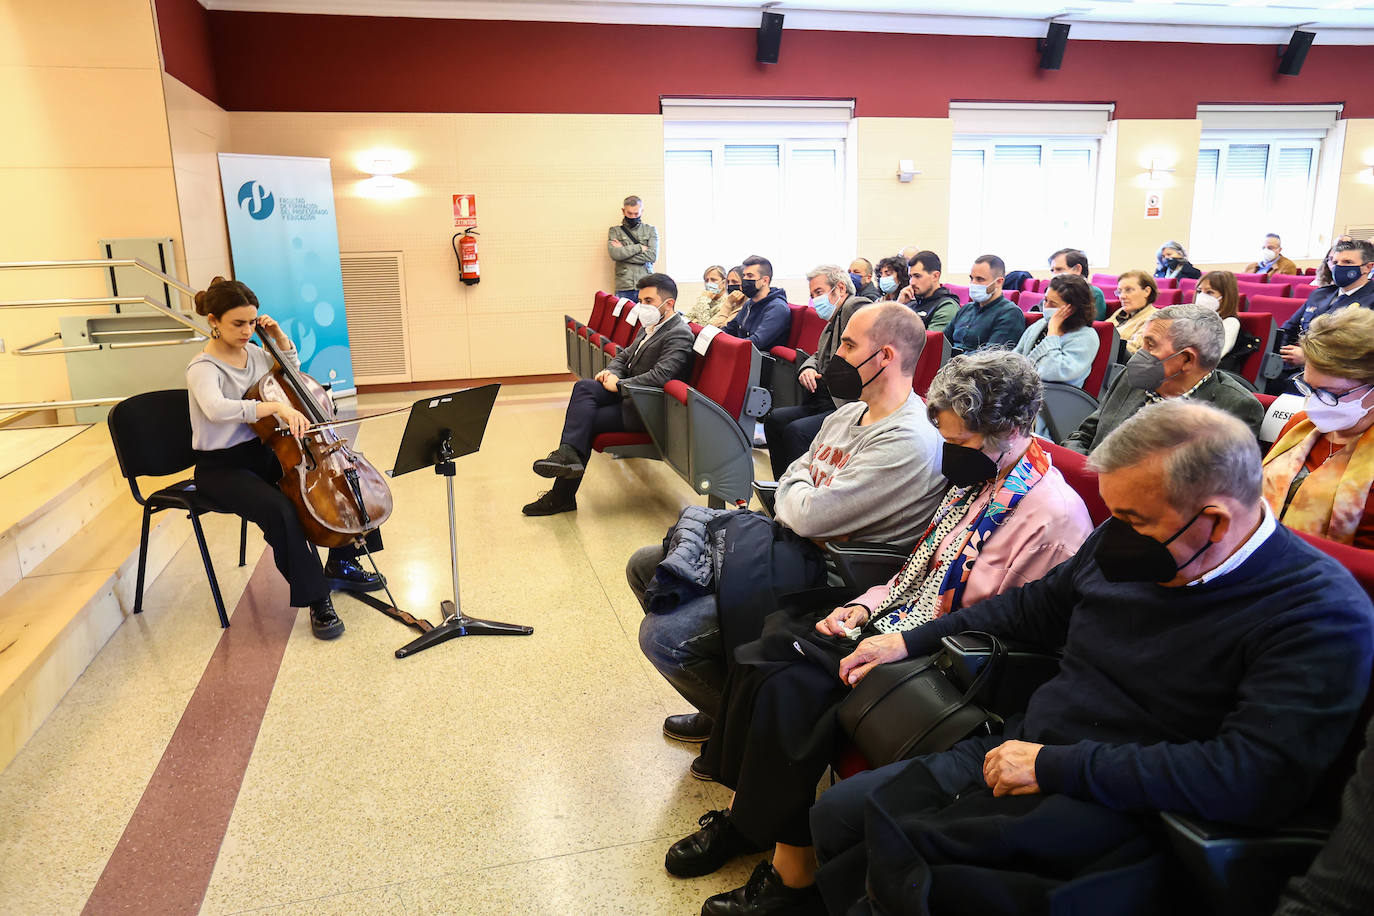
column 633, row 246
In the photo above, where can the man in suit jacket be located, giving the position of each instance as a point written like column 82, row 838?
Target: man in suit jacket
column 1178, row 356
column 660, row 352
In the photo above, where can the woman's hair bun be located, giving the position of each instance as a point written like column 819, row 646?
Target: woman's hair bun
column 202, row 307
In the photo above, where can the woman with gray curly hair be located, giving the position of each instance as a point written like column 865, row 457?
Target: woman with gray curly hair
column 1008, row 519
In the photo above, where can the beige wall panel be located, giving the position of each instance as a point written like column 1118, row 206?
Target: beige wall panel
column 1174, row 144
column 78, row 33
column 71, row 209
column 1355, row 195
column 438, row 339
column 60, row 117
column 510, row 344
column 891, row 213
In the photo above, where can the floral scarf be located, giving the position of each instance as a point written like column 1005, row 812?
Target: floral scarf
column 1330, row 501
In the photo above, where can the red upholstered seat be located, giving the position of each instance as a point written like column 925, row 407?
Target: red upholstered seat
column 1263, row 289
column 1251, row 278
column 1080, row 477
column 1027, row 285
column 1104, row 280
column 1168, row 297
column 612, row 440
column 606, row 322
column 724, row 373
column 1167, row 282
column 1280, row 307
column 1033, row 317
column 1102, row 362
column 784, row 353
column 1291, row 280
column 1359, row 562
column 1261, row 324
column 812, row 324
column 960, row 292
column 1188, row 288
column 1030, row 302
column 794, row 326
column 933, row 356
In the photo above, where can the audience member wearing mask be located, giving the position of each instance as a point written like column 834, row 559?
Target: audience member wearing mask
column 872, row 473
column 1177, row 358
column 1214, row 665
column 1172, row 261
column 1136, row 291
column 1009, row 518
column 1063, row 344
column 1350, row 272
column 789, row 431
column 712, row 297
column 660, row 352
column 1072, row 261
column 1218, row 291
column 925, row 295
column 892, row 277
column 990, row 319
column 861, row 275
column 633, row 246
column 1318, row 475
column 764, row 319
column 734, row 298
column 1323, row 275
column 1271, row 259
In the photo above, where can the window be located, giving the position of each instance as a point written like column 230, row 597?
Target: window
column 744, row 178
column 1021, row 198
column 1246, row 188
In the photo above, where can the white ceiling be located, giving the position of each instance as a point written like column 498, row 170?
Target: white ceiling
column 1349, row 22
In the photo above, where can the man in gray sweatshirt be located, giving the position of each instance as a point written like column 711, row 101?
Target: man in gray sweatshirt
column 872, row 474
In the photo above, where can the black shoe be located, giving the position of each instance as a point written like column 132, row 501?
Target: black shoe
column 550, row 503
column 348, row 576
column 324, row 622
column 699, row 771
column 716, row 843
column 764, row 894
column 691, row 728
column 562, row 462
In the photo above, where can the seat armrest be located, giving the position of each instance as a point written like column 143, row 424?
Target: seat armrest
column 862, row 564
column 767, row 492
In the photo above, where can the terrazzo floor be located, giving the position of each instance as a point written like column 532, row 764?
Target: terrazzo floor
column 488, row 775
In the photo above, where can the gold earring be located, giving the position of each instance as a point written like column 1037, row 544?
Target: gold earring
column 214, row 332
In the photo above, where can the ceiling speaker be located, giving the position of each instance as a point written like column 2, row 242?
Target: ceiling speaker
column 770, row 38
column 1052, row 46
column 1291, row 62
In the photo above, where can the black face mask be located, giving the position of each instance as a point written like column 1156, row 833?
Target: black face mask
column 966, row 467
column 1126, row 555
column 1172, row 263
column 749, row 287
column 733, row 288
column 843, row 379
column 632, row 223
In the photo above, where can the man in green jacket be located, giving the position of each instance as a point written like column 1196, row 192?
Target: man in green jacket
column 633, row 246
column 1073, row 261
column 926, row 296
column 990, row 319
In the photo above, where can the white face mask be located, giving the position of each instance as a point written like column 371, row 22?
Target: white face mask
column 648, row 315
column 713, row 288
column 1330, row 418
column 1267, row 256
column 1212, row 302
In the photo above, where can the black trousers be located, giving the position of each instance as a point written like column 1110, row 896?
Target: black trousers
column 592, row 410
column 243, row 480
column 790, row 430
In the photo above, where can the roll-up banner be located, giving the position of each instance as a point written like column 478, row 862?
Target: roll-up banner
column 285, row 246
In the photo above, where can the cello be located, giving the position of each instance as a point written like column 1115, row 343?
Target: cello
column 338, row 495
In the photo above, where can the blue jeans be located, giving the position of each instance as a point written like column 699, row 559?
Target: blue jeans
column 684, row 644
column 631, row 294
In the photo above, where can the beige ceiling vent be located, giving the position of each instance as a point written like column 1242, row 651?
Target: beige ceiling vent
column 1363, row 233
column 374, row 296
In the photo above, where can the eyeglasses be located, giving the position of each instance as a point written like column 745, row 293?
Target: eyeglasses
column 1329, row 398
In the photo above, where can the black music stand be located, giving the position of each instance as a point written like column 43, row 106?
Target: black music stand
column 439, row 430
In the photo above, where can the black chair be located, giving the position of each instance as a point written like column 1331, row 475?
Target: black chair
column 152, row 438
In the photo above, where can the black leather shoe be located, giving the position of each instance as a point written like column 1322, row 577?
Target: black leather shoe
column 550, row 504
column 716, row 843
column 324, row 622
column 348, row 576
column 691, row 728
column 699, row 771
column 562, row 462
column 764, row 894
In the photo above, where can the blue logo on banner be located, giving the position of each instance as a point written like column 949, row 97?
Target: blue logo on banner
column 258, row 200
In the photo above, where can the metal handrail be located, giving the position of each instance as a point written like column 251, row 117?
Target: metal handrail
column 102, row 264
column 137, row 332
column 47, row 405
column 33, row 348
column 199, row 338
column 70, row 303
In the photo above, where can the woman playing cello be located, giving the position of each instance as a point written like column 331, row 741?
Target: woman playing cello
column 238, row 472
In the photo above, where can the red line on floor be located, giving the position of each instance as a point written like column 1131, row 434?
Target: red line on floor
column 163, row 862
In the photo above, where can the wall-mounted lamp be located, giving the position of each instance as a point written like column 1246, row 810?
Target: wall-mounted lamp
column 1158, row 171
column 383, row 172
column 906, row 170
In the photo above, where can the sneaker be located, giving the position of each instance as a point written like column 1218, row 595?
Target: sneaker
column 348, row 576
column 764, row 894
column 562, row 462
column 324, row 622
column 716, row 843
column 550, row 503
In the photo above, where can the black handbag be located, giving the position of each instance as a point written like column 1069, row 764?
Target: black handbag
column 924, row 705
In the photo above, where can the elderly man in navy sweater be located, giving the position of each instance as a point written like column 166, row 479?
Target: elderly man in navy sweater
column 1214, row 664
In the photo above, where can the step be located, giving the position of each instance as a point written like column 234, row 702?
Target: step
column 56, row 619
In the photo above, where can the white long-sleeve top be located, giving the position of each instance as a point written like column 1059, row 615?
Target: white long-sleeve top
column 219, row 413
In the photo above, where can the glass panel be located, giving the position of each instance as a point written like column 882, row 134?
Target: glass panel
column 965, row 207
column 689, row 192
column 814, row 218
column 751, row 188
column 1291, row 211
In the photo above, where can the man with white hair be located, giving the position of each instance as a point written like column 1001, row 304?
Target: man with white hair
column 1213, row 665
column 1179, row 351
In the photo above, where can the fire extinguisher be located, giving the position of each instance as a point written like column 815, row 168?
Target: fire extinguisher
column 468, row 269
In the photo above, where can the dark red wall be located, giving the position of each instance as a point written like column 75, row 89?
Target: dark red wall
column 184, row 26
column 285, row 62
